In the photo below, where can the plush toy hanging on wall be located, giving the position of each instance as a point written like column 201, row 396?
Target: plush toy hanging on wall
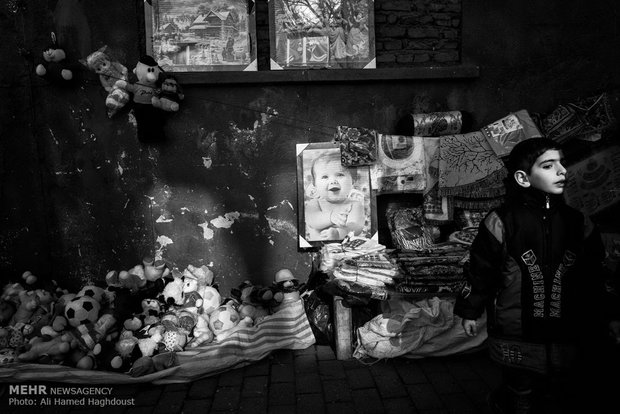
column 169, row 96
column 110, row 72
column 54, row 67
column 149, row 119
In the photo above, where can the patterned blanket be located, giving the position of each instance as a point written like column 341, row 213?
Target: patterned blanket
column 468, row 166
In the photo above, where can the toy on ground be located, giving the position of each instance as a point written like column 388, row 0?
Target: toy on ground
column 223, row 318
column 110, row 72
column 54, row 66
column 172, row 294
column 202, row 332
column 82, row 310
column 169, row 96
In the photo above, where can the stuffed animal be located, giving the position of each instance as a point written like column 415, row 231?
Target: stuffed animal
column 82, row 310
column 286, row 285
column 110, row 73
column 28, row 304
column 56, row 349
column 202, row 333
column 223, row 318
column 169, row 96
column 211, row 298
column 54, row 67
column 149, row 119
column 172, row 294
column 154, row 269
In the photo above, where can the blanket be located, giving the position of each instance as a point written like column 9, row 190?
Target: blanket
column 468, row 166
column 288, row 328
column 417, row 329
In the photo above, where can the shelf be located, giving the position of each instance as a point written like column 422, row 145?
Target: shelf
column 329, row 75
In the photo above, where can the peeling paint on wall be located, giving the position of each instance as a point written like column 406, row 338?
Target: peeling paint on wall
column 207, row 162
column 207, row 233
column 283, row 226
column 163, row 219
column 283, row 202
column 162, row 241
column 225, row 222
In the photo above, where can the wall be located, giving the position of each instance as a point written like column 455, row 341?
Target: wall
column 80, row 194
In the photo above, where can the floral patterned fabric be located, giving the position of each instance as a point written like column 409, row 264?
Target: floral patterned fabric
column 358, row 146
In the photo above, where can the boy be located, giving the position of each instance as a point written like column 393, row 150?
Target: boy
column 337, row 208
column 534, row 266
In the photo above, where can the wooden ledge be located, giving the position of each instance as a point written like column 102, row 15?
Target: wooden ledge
column 329, row 75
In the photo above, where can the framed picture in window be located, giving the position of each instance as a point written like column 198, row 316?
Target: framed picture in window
column 332, row 200
column 321, row 34
column 201, row 35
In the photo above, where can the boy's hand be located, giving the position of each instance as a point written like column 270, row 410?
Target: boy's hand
column 614, row 331
column 470, row 327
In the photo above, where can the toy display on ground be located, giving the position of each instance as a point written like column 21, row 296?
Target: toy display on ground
column 147, row 324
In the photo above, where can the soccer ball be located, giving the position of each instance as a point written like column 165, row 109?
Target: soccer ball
column 211, row 300
column 94, row 292
column 82, row 310
column 223, row 319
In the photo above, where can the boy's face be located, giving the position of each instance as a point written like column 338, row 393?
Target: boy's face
column 332, row 181
column 548, row 174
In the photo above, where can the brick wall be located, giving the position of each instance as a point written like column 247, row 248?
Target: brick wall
column 407, row 32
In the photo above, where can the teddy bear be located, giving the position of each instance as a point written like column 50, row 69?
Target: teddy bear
column 172, row 294
column 169, row 95
column 148, row 118
column 154, row 270
column 110, row 72
column 252, row 301
column 151, row 312
column 55, row 349
column 28, row 303
column 287, row 286
column 201, row 280
column 54, row 67
column 202, row 333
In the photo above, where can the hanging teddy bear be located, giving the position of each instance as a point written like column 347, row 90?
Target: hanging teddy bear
column 110, row 72
column 149, row 119
column 54, row 66
column 169, row 96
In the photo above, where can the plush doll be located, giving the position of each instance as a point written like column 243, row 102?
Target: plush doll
column 172, row 294
column 223, row 318
column 154, row 269
column 169, row 96
column 56, row 349
column 149, row 119
column 204, row 278
column 287, row 285
column 28, row 304
column 253, row 301
column 245, row 322
column 110, row 73
column 7, row 310
column 202, row 333
column 54, row 67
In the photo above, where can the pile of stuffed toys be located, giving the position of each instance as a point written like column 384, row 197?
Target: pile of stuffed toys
column 133, row 323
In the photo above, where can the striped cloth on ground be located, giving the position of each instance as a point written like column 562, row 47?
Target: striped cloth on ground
column 288, row 328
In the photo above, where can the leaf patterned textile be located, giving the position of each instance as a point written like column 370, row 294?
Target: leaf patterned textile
column 468, row 166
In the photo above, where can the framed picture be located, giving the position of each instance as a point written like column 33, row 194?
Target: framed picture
column 332, row 200
column 319, row 34
column 201, row 35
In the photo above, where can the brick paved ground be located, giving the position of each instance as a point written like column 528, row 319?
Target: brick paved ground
column 313, row 381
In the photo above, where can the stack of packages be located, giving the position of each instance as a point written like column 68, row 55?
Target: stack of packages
column 438, row 269
column 361, row 261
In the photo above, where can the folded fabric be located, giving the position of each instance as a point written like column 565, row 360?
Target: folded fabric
column 357, row 146
column 434, row 270
column 407, row 228
column 504, row 134
column 431, row 124
column 468, row 166
column 453, row 287
column 338, row 274
column 364, row 274
column 582, row 118
column 400, row 164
